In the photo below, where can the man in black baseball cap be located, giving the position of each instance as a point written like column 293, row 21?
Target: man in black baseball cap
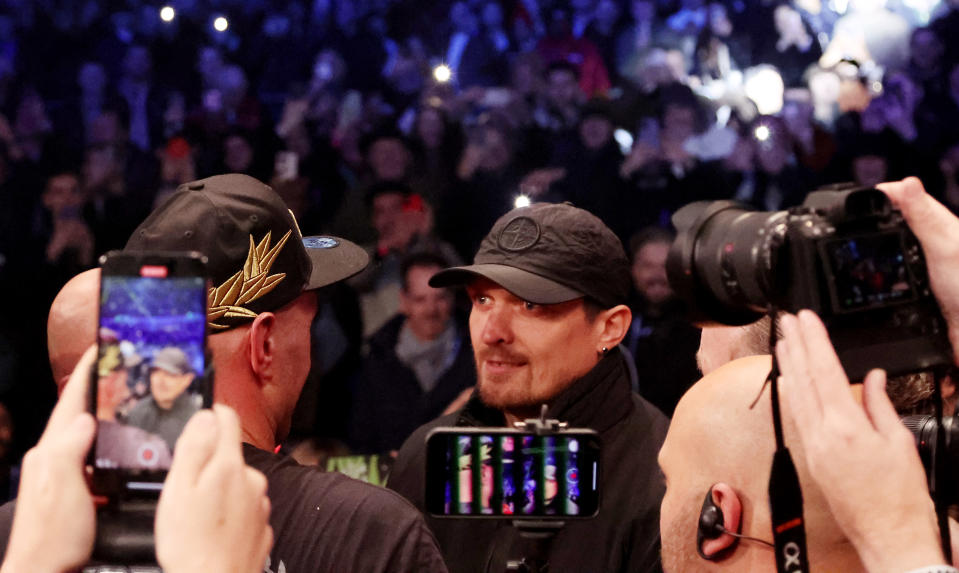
column 549, row 286
column 261, row 306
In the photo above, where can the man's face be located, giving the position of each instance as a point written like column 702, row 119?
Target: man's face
column 677, row 514
column 527, row 353
column 62, row 193
column 562, row 87
column 387, row 208
column 427, row 309
column 595, row 131
column 388, row 159
column 112, row 390
column 166, row 387
column 649, row 272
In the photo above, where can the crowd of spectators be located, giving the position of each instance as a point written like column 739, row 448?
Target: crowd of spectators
column 627, row 108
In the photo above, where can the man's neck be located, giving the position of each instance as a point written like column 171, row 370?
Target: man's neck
column 256, row 428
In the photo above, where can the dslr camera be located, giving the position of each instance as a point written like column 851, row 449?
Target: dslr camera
column 845, row 254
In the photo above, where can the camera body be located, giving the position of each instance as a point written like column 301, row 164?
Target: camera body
column 844, row 254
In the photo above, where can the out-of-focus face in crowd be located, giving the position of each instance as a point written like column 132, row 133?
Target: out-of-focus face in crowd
column 237, row 154
column 497, row 150
column 386, row 211
column 427, row 309
column 649, row 272
column 562, row 87
column 388, row 159
column 63, row 195
column 595, row 131
column 430, row 127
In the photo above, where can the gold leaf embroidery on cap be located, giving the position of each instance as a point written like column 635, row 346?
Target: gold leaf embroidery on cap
column 248, row 284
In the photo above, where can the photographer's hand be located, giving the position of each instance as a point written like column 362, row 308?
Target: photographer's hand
column 55, row 522
column 861, row 456
column 938, row 232
column 213, row 514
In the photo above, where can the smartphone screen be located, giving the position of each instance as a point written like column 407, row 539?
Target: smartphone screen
column 150, row 365
column 504, row 473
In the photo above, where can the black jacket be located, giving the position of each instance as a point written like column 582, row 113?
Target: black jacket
column 625, row 534
column 389, row 402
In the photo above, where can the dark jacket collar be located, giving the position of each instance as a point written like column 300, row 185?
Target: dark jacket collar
column 598, row 400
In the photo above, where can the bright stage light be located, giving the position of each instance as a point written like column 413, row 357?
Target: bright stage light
column 442, row 73
column 624, row 139
column 221, row 24
column 764, row 86
column 521, row 201
column 762, row 133
column 167, row 13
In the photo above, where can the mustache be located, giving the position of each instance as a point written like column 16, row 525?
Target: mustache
column 498, row 356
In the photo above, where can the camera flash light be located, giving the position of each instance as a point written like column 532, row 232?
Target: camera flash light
column 221, row 24
column 167, row 13
column 442, row 73
column 521, row 201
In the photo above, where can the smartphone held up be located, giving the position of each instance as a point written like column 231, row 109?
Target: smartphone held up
column 504, row 473
column 151, row 371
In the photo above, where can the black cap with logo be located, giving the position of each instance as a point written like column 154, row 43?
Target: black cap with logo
column 258, row 259
column 549, row 253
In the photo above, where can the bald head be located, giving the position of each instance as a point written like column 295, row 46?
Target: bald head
column 72, row 323
column 716, row 438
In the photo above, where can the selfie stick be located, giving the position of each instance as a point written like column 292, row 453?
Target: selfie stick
column 539, row 534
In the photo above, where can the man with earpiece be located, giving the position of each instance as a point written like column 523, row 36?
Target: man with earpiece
column 865, row 500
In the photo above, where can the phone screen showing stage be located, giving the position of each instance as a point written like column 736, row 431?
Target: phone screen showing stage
column 149, row 368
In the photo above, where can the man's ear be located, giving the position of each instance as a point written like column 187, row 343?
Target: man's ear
column 613, row 324
column 731, row 512
column 262, row 339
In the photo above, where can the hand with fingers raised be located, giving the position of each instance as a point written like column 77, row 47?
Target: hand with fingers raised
column 860, row 455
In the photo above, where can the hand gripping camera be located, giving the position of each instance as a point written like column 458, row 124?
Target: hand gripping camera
column 844, row 254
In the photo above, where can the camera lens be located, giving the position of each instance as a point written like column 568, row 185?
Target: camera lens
column 925, row 430
column 723, row 260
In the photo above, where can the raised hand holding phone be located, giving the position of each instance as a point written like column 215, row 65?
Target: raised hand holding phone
column 55, row 522
column 213, row 514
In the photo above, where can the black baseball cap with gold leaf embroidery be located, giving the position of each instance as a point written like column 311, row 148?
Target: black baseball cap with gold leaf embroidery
column 549, row 253
column 258, row 259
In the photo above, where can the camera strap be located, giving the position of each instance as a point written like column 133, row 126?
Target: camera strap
column 941, row 472
column 785, row 495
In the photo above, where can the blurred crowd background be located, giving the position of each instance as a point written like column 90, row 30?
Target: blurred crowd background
column 410, row 126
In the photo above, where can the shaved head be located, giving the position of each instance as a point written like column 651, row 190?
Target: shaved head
column 72, row 323
column 716, row 437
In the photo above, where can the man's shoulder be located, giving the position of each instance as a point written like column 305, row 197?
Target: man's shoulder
column 143, row 408
column 289, row 479
column 326, row 521
column 647, row 420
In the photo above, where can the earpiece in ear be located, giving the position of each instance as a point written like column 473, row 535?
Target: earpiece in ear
column 710, row 524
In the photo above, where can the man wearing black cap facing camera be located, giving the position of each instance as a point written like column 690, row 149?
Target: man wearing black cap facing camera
column 261, row 305
column 168, row 408
column 548, row 287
